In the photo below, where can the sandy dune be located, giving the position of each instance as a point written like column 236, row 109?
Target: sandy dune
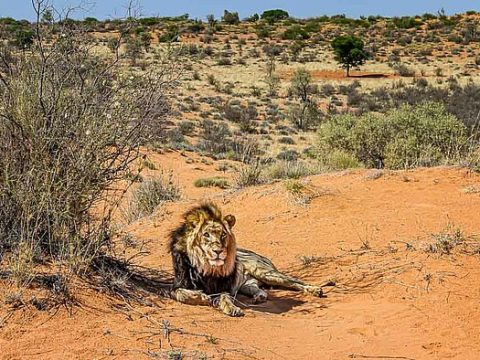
column 367, row 230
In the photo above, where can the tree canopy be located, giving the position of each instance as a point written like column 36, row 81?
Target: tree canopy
column 349, row 51
column 274, row 15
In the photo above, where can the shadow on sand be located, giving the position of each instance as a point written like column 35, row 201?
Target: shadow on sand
column 274, row 304
column 370, row 76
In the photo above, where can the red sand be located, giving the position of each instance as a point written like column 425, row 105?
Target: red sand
column 390, row 302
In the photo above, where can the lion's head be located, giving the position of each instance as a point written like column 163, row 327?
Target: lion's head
column 210, row 244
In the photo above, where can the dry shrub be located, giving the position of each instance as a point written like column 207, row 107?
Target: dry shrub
column 71, row 124
column 250, row 174
column 445, row 241
column 152, row 193
column 292, row 169
column 304, row 192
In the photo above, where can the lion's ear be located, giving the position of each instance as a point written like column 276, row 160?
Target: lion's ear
column 193, row 219
column 230, row 219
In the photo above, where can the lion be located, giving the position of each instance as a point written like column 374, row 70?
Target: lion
column 211, row 270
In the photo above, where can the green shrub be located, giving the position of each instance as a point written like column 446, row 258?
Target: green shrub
column 263, row 31
column 231, row 18
column 423, row 135
column 340, row 160
column 406, row 22
column 149, row 21
column 295, row 32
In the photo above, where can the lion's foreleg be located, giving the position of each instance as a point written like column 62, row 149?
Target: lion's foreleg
column 225, row 303
column 191, row 297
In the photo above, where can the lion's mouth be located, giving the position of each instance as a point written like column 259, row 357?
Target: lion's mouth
column 216, row 262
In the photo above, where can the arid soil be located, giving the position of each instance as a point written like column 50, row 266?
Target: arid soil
column 368, row 230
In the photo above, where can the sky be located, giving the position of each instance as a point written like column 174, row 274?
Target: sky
column 102, row 9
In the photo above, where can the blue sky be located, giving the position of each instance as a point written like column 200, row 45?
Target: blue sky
column 200, row 8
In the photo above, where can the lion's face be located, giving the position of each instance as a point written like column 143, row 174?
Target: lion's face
column 214, row 248
column 214, row 241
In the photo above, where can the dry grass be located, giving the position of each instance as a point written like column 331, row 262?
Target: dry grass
column 444, row 242
column 471, row 189
column 214, row 181
column 150, row 194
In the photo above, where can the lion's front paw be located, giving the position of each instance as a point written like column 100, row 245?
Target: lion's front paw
column 234, row 311
column 314, row 290
column 225, row 303
column 192, row 297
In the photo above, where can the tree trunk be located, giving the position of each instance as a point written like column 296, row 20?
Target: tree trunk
column 348, row 70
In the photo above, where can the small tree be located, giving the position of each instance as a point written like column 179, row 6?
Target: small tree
column 349, row 51
column 133, row 48
column 211, row 21
column 272, row 79
column 272, row 16
column 306, row 113
column 301, row 84
column 231, row 18
column 24, row 38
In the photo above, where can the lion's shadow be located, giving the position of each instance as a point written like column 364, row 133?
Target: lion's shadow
column 274, row 305
column 142, row 283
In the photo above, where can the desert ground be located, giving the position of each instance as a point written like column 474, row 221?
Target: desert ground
column 369, row 230
column 393, row 221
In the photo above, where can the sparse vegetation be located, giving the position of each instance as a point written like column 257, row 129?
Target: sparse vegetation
column 445, row 241
column 150, row 194
column 250, row 175
column 423, row 135
column 71, row 128
column 214, row 181
column 291, row 169
column 92, row 110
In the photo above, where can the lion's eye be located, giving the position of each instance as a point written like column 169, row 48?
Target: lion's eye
column 207, row 235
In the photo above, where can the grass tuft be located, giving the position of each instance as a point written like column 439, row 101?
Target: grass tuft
column 214, row 181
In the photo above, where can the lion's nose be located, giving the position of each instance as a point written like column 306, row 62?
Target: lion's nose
column 218, row 251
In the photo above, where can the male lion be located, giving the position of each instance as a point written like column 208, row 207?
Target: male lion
column 209, row 269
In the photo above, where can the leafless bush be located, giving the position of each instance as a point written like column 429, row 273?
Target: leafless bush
column 245, row 149
column 216, row 138
column 250, row 174
column 150, row 194
column 71, row 126
column 404, row 70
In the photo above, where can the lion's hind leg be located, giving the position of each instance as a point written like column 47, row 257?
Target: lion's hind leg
column 275, row 278
column 264, row 271
column 251, row 288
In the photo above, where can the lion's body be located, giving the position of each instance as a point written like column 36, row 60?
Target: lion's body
column 209, row 269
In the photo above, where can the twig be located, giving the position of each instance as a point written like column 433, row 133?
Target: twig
column 354, row 356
